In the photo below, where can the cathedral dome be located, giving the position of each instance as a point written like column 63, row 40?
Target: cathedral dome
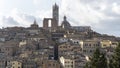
column 65, row 24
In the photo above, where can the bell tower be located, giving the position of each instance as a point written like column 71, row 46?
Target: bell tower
column 55, row 13
column 54, row 20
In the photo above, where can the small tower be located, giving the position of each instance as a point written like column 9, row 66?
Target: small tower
column 35, row 22
column 55, row 13
column 34, row 25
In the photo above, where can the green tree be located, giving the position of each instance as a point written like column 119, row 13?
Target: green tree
column 115, row 60
column 98, row 60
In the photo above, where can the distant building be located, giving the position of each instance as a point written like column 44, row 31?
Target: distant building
column 57, row 35
column 63, row 40
column 35, row 25
column 2, row 63
column 2, row 39
column 51, row 64
column 65, row 49
column 55, row 13
column 16, row 64
column 9, row 48
column 33, row 29
column 105, row 43
column 89, row 46
column 108, row 44
column 29, row 64
column 67, row 62
column 2, row 60
column 82, row 28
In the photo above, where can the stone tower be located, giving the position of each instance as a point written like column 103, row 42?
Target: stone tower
column 34, row 25
column 54, row 20
column 55, row 13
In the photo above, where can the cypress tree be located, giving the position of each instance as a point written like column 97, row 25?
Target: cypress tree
column 98, row 60
column 115, row 60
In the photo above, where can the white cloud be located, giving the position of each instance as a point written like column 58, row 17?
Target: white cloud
column 43, row 3
column 21, row 17
column 116, row 8
column 44, row 14
column 37, row 2
column 81, row 13
column 8, row 21
column 1, row 3
column 99, row 14
column 18, row 18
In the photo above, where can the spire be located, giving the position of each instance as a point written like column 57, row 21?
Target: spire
column 35, row 22
column 55, row 12
column 34, row 25
column 55, row 6
column 65, row 18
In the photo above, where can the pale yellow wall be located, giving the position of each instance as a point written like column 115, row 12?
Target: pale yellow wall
column 105, row 43
column 16, row 64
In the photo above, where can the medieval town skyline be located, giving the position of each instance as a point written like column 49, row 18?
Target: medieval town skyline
column 67, row 38
column 99, row 14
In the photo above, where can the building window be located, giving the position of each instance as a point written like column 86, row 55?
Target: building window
column 84, row 50
column 90, row 50
column 71, row 62
column 104, row 45
column 18, row 63
column 53, row 64
column 90, row 45
column 94, row 45
column 49, row 64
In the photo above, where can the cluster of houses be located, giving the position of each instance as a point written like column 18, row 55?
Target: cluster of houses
column 63, row 46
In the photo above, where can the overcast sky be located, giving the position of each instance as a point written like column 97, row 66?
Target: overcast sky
column 102, row 15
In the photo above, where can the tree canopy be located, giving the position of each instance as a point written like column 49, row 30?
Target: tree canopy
column 98, row 60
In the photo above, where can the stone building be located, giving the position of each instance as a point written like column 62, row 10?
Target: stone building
column 67, row 62
column 16, row 64
column 29, row 63
column 89, row 46
column 33, row 29
column 51, row 64
column 55, row 13
column 52, row 23
column 9, row 48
